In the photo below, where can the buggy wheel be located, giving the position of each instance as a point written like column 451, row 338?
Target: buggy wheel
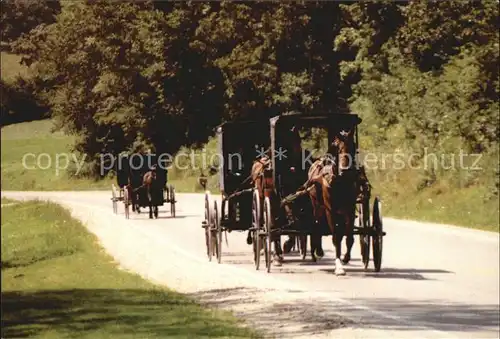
column 377, row 239
column 126, row 201
column 267, row 235
column 256, row 215
column 208, row 224
column 172, row 200
column 223, row 216
column 113, row 198
column 217, row 233
column 364, row 236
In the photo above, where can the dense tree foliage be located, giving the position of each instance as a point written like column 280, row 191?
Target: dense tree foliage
column 19, row 101
column 21, row 16
column 163, row 74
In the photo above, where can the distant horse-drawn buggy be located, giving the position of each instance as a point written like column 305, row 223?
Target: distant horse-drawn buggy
column 142, row 183
column 279, row 189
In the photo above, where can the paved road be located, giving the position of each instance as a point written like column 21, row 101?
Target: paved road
column 436, row 281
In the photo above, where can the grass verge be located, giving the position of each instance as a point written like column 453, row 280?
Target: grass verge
column 466, row 207
column 57, row 282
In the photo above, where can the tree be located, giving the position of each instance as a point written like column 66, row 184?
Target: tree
column 19, row 17
column 122, row 74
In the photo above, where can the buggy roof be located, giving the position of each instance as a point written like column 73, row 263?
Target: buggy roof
column 314, row 120
column 237, row 123
column 318, row 120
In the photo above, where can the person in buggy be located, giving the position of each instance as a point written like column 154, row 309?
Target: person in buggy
column 295, row 167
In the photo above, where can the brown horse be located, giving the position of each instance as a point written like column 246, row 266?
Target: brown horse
column 334, row 195
column 363, row 189
column 150, row 183
column 262, row 180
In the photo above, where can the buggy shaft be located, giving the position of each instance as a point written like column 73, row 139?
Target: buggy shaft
column 290, row 198
column 239, row 193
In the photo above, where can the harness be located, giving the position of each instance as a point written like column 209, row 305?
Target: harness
column 264, row 162
column 142, row 186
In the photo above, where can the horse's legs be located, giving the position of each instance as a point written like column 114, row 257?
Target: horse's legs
column 318, row 250
column 150, row 203
column 136, row 201
column 249, row 238
column 337, row 235
column 303, row 245
column 314, row 205
column 132, row 198
column 289, row 244
column 278, row 253
column 316, row 246
column 349, row 236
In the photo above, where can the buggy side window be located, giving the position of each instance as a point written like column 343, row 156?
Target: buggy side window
column 316, row 141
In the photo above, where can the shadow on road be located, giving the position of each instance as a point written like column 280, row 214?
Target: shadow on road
column 171, row 217
column 108, row 313
column 296, row 265
column 305, row 316
column 390, row 273
column 442, row 316
column 280, row 319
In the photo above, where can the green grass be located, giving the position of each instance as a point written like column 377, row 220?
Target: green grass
column 185, row 175
column 7, row 201
column 36, row 137
column 466, row 207
column 57, row 283
column 11, row 66
column 457, row 196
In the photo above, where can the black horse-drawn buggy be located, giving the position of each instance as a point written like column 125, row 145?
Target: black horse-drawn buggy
column 239, row 143
column 287, row 192
column 135, row 190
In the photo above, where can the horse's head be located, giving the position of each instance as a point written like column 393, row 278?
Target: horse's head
column 340, row 158
column 150, row 176
column 343, row 148
column 261, row 174
column 153, row 171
